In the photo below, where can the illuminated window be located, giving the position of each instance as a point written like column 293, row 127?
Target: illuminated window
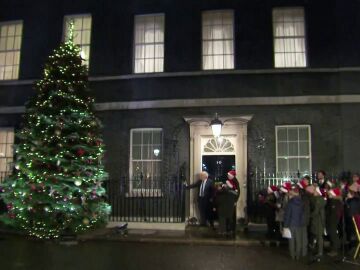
column 218, row 39
column 145, row 158
column 289, row 37
column 149, row 43
column 82, row 33
column 293, row 149
column 10, row 47
column 6, row 152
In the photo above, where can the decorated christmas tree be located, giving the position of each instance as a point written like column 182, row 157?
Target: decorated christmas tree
column 57, row 184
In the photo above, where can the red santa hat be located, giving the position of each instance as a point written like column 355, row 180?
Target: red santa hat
column 232, row 172
column 302, row 184
column 286, row 187
column 335, row 192
column 272, row 189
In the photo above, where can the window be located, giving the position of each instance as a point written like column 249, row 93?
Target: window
column 293, row 149
column 218, row 39
column 82, row 34
column 289, row 37
column 145, row 158
column 6, row 152
column 10, row 47
column 149, row 43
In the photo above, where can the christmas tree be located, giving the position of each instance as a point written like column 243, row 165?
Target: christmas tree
column 57, row 184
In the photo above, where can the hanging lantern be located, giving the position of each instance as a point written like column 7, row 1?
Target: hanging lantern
column 216, row 126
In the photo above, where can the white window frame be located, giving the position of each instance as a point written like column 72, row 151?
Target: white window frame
column 4, row 174
column 144, row 43
column 15, row 22
column 65, row 28
column 135, row 192
column 293, row 37
column 276, row 146
column 233, row 39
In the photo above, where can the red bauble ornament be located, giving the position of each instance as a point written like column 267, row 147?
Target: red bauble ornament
column 32, row 187
column 80, row 152
column 11, row 215
column 9, row 206
column 98, row 142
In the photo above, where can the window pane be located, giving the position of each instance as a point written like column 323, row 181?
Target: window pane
column 289, row 37
column 293, row 134
column 149, row 43
column 303, row 134
column 136, row 137
column 136, row 152
column 293, row 149
column 305, row 165
column 282, row 134
column 6, row 152
column 282, row 165
column 10, row 43
column 298, row 142
column 218, row 43
column 293, row 165
column 149, row 51
column 283, row 149
column 148, row 164
column 304, row 149
column 2, row 44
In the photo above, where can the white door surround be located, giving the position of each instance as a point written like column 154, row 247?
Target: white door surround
column 235, row 126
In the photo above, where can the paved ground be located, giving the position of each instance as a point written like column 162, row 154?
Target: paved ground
column 17, row 253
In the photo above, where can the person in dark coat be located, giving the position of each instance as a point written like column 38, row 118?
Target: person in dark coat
column 205, row 198
column 334, row 212
column 352, row 208
column 224, row 201
column 233, row 184
column 306, row 199
column 317, row 218
column 270, row 208
column 294, row 220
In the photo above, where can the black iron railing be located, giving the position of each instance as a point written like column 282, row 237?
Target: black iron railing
column 259, row 181
column 146, row 200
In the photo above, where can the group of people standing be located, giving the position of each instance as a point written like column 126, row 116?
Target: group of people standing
column 218, row 200
column 311, row 211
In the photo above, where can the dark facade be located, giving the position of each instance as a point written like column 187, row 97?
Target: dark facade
column 324, row 95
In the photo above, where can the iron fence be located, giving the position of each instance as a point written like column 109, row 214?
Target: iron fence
column 259, row 180
column 147, row 200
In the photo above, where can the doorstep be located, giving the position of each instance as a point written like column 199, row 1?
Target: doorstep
column 150, row 226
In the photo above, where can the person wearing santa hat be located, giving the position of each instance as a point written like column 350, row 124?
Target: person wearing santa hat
column 334, row 212
column 232, row 182
column 282, row 201
column 294, row 221
column 226, row 199
column 270, row 208
column 317, row 219
column 303, row 183
column 320, row 178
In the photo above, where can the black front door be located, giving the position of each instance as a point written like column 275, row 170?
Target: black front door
column 218, row 166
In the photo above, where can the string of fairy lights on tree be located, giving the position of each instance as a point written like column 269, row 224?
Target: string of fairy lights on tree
column 57, row 184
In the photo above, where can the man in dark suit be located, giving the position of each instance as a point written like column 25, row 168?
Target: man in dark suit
column 205, row 198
